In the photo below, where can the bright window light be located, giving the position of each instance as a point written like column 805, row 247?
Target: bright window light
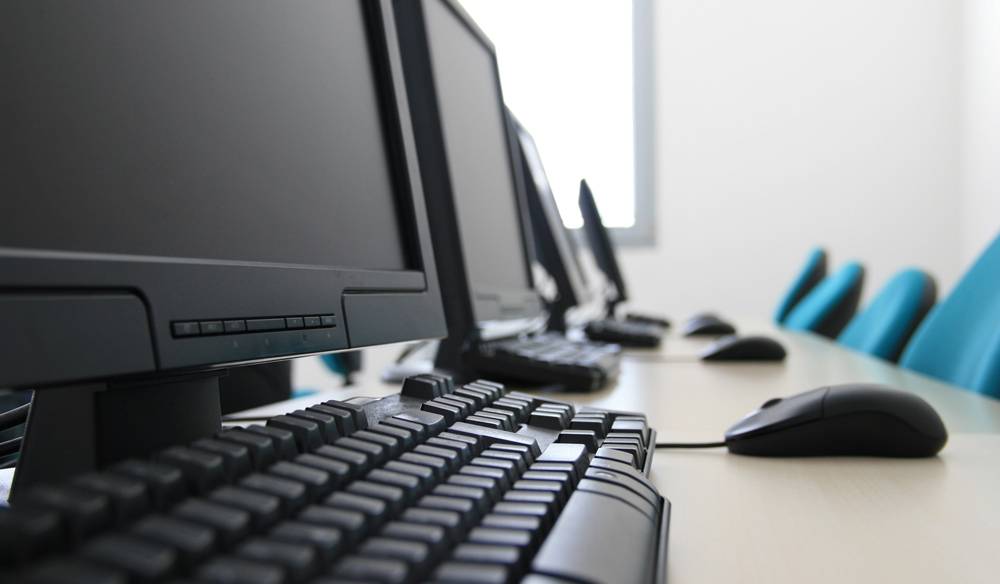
column 566, row 69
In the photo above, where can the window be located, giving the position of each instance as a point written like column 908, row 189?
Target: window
column 577, row 75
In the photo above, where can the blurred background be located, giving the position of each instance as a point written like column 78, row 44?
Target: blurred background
column 723, row 138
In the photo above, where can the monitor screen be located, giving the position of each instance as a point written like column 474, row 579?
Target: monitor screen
column 192, row 184
column 255, row 139
column 478, row 152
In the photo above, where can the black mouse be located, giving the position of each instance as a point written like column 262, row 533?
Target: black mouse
column 841, row 420
column 707, row 325
column 736, row 348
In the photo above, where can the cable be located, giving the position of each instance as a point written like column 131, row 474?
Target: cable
column 11, row 446
column 14, row 417
column 690, row 444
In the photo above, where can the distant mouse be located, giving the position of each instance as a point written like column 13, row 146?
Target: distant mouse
column 707, row 325
column 736, row 348
column 852, row 420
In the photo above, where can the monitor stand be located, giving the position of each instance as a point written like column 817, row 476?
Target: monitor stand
column 79, row 428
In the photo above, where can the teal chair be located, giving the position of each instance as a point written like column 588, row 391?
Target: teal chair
column 959, row 341
column 831, row 304
column 812, row 273
column 883, row 328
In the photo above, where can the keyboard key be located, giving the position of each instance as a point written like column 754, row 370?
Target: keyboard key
column 575, row 454
column 357, row 412
column 338, row 470
column 486, row 421
column 76, row 571
column 374, row 508
column 478, row 496
column 414, row 553
column 596, row 425
column 618, row 492
column 299, row 561
column 378, row 452
column 509, row 557
column 549, row 420
column 191, row 541
column 317, row 482
column 495, row 474
column 327, row 423
column 345, row 421
column 144, row 560
column 406, row 439
column 450, row 521
column 203, row 471
column 326, row 542
column 283, row 441
column 419, row 431
column 264, row 510
column 489, row 486
column 479, row 398
column 362, row 569
column 420, row 387
column 439, row 466
column 393, row 497
column 451, row 457
column 230, row 524
column 515, row 458
column 260, row 448
column 306, row 432
column 358, row 462
column 391, row 443
column 536, row 510
column 423, row 474
column 410, row 485
column 510, row 470
column 351, row 523
column 464, row 407
column 26, row 532
column 464, row 507
column 129, row 497
column 474, row 442
column 523, row 451
column 433, row 536
column 434, row 423
column 84, row 512
column 240, row 571
column 616, row 455
column 291, row 493
column 448, row 412
column 510, row 537
column 527, row 523
column 470, row 573
column 235, row 457
column 540, row 487
column 491, row 436
column 586, row 437
column 623, row 480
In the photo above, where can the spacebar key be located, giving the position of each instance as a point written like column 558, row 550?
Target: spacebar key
column 492, row 436
column 599, row 538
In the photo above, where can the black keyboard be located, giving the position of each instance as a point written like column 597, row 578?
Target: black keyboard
column 436, row 483
column 624, row 332
column 549, row 358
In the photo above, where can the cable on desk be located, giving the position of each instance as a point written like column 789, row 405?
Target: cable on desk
column 690, row 444
column 12, row 446
column 14, row 417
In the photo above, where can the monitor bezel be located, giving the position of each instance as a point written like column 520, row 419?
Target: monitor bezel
column 470, row 312
column 371, row 306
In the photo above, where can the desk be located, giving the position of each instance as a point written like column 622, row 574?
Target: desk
column 743, row 519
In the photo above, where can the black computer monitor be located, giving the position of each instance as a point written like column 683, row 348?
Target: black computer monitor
column 602, row 247
column 472, row 180
column 189, row 187
column 555, row 246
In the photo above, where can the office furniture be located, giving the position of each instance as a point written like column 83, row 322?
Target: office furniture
column 887, row 323
column 811, row 274
column 828, row 308
column 824, row 520
column 959, row 341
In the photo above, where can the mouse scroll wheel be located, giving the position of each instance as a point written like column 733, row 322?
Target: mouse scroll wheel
column 770, row 402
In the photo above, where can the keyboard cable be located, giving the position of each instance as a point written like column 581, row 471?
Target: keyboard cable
column 690, row 444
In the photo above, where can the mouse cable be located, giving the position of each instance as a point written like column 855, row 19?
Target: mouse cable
column 690, row 444
column 14, row 417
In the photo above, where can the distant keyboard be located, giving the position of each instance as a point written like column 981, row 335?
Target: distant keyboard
column 436, row 483
column 624, row 332
column 549, row 359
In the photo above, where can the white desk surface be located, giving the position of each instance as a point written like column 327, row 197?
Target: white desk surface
column 745, row 519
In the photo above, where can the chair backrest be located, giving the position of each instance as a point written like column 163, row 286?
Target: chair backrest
column 959, row 341
column 887, row 323
column 811, row 274
column 831, row 304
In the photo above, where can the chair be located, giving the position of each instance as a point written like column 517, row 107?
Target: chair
column 883, row 328
column 811, row 274
column 959, row 341
column 828, row 308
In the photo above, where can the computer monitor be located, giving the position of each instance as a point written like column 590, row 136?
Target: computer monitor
column 472, row 180
column 602, row 247
column 189, row 187
column 555, row 246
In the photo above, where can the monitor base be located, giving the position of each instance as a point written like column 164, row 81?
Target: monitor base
column 79, row 428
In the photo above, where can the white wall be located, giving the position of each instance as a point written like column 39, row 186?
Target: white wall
column 980, row 125
column 787, row 123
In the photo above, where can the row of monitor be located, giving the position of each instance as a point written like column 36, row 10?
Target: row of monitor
column 190, row 186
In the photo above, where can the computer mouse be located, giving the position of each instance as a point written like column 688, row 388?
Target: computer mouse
column 841, row 420
column 736, row 348
column 708, row 325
